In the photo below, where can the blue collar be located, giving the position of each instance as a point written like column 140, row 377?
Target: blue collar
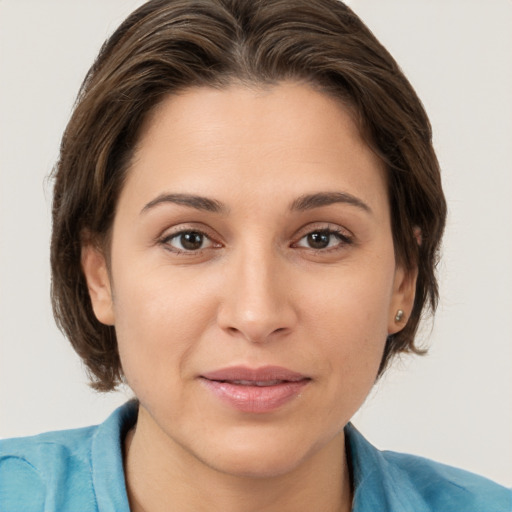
column 378, row 484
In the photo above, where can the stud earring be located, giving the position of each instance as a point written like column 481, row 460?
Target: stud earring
column 399, row 315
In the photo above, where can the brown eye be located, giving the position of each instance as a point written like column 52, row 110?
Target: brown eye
column 324, row 239
column 189, row 241
column 319, row 240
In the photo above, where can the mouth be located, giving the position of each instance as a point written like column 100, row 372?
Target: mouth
column 257, row 390
column 260, row 383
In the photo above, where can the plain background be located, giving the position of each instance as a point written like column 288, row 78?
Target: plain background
column 455, row 405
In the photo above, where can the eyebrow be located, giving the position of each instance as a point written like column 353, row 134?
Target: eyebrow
column 310, row 201
column 302, row 203
column 192, row 201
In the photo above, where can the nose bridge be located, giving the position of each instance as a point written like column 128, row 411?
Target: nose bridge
column 256, row 303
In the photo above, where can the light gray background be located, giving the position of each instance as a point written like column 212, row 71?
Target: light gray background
column 453, row 405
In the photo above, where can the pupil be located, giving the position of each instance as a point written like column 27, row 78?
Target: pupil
column 191, row 241
column 318, row 240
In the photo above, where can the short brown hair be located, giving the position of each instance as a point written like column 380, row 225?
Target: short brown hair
column 168, row 45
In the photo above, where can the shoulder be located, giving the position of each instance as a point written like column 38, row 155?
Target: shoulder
column 79, row 469
column 447, row 488
column 46, row 450
column 38, row 464
column 397, row 482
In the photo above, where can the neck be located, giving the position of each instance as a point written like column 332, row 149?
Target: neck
column 163, row 475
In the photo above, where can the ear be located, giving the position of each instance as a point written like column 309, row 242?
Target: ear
column 404, row 290
column 96, row 274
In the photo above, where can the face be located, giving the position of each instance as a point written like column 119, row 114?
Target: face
column 252, row 279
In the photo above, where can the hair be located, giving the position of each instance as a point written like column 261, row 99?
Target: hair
column 168, row 45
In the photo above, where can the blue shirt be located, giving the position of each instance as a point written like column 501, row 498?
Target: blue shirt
column 82, row 470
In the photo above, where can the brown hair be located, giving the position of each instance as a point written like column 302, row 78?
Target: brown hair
column 168, row 45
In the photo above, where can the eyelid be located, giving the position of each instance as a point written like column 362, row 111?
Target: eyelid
column 178, row 230
column 323, row 226
column 344, row 235
column 176, row 236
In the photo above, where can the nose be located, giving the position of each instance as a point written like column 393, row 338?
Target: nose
column 257, row 302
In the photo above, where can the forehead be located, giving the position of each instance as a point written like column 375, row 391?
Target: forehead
column 253, row 140
column 295, row 110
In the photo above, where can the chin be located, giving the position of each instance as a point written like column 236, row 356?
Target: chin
column 260, row 465
column 259, row 456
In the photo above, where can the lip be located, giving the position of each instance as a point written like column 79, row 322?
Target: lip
column 255, row 390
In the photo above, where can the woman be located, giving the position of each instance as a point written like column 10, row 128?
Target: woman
column 247, row 216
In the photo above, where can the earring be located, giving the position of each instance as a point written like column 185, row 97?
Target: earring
column 399, row 315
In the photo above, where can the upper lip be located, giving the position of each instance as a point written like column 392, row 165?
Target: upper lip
column 261, row 374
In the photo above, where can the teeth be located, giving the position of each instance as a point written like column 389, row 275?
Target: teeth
column 256, row 382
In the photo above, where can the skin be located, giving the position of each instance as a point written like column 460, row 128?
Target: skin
column 256, row 293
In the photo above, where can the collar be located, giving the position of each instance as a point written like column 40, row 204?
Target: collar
column 107, row 459
column 378, row 484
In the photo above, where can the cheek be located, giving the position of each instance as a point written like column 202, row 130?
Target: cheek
column 353, row 302
column 160, row 318
column 348, row 318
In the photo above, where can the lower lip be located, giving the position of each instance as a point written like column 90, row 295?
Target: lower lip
column 255, row 399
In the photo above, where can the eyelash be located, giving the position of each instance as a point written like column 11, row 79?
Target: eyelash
column 166, row 241
column 343, row 240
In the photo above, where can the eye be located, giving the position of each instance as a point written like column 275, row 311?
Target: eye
column 323, row 239
column 188, row 241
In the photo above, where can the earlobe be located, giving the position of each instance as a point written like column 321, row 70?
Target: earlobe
column 404, row 291
column 96, row 274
